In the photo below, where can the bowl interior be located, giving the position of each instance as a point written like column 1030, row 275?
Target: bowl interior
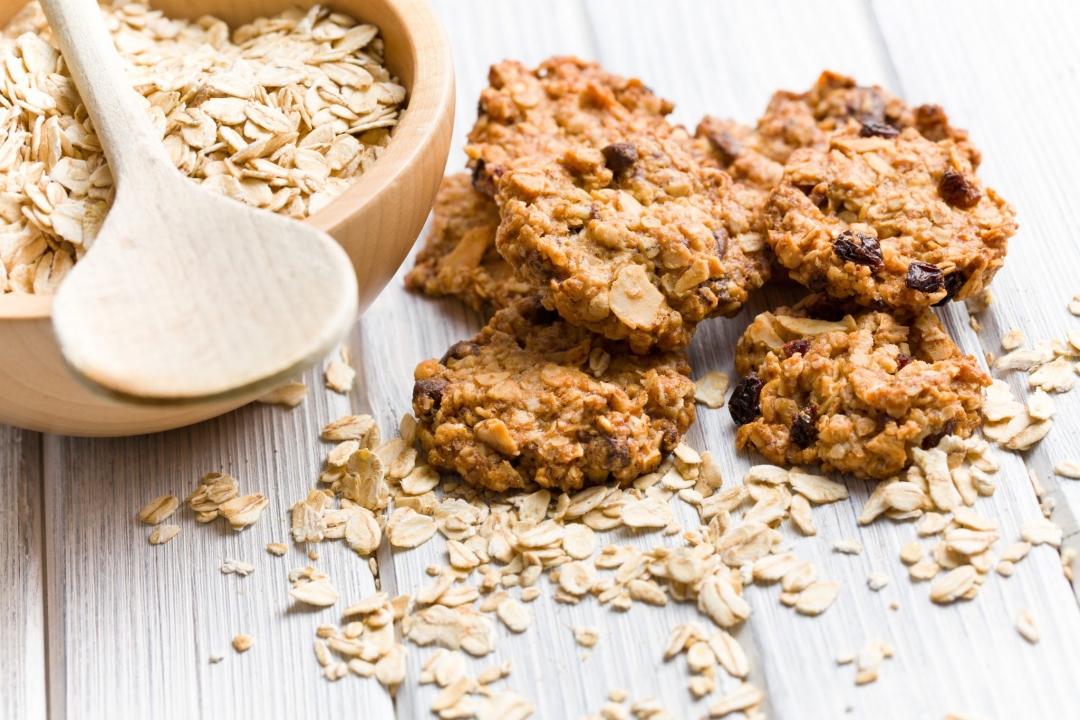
column 416, row 69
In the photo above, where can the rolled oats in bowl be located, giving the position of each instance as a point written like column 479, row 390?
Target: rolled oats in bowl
column 284, row 113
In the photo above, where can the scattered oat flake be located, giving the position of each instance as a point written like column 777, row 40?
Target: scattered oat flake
column 278, row 549
column 1068, row 468
column 163, row 534
column 849, row 546
column 1025, row 625
column 290, row 394
column 953, row 585
column 1041, row 531
column 817, row 598
column 586, row 635
column 242, row 643
column 319, row 592
column 238, row 567
column 514, row 615
column 243, row 511
column 877, row 580
column 710, row 389
column 216, row 658
column 1013, row 339
column 339, row 376
column 742, row 697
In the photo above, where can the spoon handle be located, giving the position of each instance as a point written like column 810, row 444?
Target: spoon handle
column 131, row 144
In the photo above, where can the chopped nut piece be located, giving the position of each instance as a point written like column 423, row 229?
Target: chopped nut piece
column 242, row 643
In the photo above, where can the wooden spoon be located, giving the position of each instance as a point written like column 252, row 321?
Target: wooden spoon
column 186, row 295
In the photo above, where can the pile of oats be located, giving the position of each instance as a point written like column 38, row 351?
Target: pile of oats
column 218, row 495
column 1052, row 367
column 283, row 115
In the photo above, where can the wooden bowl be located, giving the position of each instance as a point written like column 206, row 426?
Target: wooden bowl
column 376, row 220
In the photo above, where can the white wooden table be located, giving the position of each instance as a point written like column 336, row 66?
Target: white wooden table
column 95, row 623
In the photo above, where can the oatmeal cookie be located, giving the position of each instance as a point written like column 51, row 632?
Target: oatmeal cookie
column 459, row 257
column 563, row 102
column 836, row 102
column 635, row 240
column 901, row 222
column 854, row 394
column 533, row 398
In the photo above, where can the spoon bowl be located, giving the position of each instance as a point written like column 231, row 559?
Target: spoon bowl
column 376, row 221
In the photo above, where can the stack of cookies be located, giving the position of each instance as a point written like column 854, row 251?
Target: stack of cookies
column 599, row 236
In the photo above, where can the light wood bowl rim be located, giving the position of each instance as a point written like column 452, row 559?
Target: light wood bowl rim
column 427, row 100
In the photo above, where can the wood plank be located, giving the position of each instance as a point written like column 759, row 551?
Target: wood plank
column 132, row 626
column 22, row 603
column 1019, row 106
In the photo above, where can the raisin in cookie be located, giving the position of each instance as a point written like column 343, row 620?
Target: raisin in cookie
column 899, row 222
column 836, row 102
column 731, row 147
column 856, row 394
column 459, row 257
column 635, row 240
column 533, row 398
column 563, row 102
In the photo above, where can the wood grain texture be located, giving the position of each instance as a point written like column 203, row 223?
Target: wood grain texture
column 22, row 603
column 134, row 625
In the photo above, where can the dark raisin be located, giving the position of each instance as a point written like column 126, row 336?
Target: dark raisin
column 726, row 146
column 721, row 237
column 924, row 277
column 870, row 128
column 460, row 350
column 620, row 156
column 931, row 441
column 902, row 361
column 745, row 403
column 859, row 248
column 804, row 427
column 427, row 396
column 817, row 282
column 953, row 283
column 958, row 191
column 533, row 311
column 796, row 346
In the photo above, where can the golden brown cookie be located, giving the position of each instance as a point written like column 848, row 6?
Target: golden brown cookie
column 533, row 398
column 899, row 222
column 459, row 257
column 563, row 102
column 635, row 240
column 855, row 393
column 836, row 102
